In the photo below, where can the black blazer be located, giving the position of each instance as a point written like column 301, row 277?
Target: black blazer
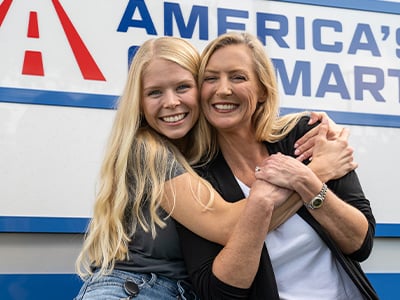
column 200, row 253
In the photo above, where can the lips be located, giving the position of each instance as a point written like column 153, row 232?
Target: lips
column 225, row 106
column 174, row 118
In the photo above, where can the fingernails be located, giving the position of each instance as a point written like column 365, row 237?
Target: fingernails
column 296, row 145
column 296, row 152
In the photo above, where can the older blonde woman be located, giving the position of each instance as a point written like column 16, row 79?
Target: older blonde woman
column 315, row 254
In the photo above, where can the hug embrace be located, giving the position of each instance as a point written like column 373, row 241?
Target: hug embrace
column 206, row 192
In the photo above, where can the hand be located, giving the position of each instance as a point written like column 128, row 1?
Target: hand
column 304, row 146
column 283, row 170
column 269, row 193
column 332, row 159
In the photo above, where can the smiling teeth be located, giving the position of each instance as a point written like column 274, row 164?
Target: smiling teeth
column 172, row 119
column 225, row 106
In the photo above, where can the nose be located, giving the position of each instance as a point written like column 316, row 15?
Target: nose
column 171, row 100
column 223, row 88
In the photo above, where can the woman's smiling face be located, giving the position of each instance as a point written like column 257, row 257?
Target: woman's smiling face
column 169, row 98
column 230, row 88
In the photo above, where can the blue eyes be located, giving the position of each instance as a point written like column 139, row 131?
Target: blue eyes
column 179, row 89
column 183, row 87
column 154, row 93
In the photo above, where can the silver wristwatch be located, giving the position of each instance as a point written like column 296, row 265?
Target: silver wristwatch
column 318, row 200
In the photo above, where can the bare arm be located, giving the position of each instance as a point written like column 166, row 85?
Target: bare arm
column 333, row 160
column 227, row 272
column 187, row 198
column 217, row 222
column 346, row 224
column 243, row 250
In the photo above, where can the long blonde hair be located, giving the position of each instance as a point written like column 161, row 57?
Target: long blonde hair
column 135, row 166
column 267, row 123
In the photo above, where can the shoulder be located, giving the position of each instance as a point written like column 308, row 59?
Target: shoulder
column 301, row 128
column 174, row 167
column 286, row 145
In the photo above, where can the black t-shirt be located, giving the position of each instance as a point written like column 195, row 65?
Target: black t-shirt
column 161, row 255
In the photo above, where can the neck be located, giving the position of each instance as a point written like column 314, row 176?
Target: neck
column 242, row 153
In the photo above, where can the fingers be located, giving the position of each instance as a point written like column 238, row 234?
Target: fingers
column 323, row 128
column 317, row 116
column 263, row 170
column 305, row 155
column 305, row 151
column 283, row 171
column 303, row 142
column 334, row 130
column 260, row 175
column 304, row 147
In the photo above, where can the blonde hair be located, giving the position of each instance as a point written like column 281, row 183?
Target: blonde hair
column 267, row 123
column 137, row 163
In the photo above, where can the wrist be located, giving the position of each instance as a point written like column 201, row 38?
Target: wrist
column 317, row 201
column 306, row 184
column 260, row 202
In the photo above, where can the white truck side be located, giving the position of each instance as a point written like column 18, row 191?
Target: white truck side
column 64, row 63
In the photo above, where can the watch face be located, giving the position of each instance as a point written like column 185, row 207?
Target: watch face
column 317, row 202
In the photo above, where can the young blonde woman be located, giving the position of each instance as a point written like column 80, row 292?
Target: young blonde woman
column 132, row 248
column 315, row 254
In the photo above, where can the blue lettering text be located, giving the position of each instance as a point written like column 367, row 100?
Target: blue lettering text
column 373, row 87
column 224, row 25
column 199, row 13
column 332, row 70
column 301, row 69
column 356, row 44
column 318, row 24
column 280, row 31
column 396, row 73
column 145, row 22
